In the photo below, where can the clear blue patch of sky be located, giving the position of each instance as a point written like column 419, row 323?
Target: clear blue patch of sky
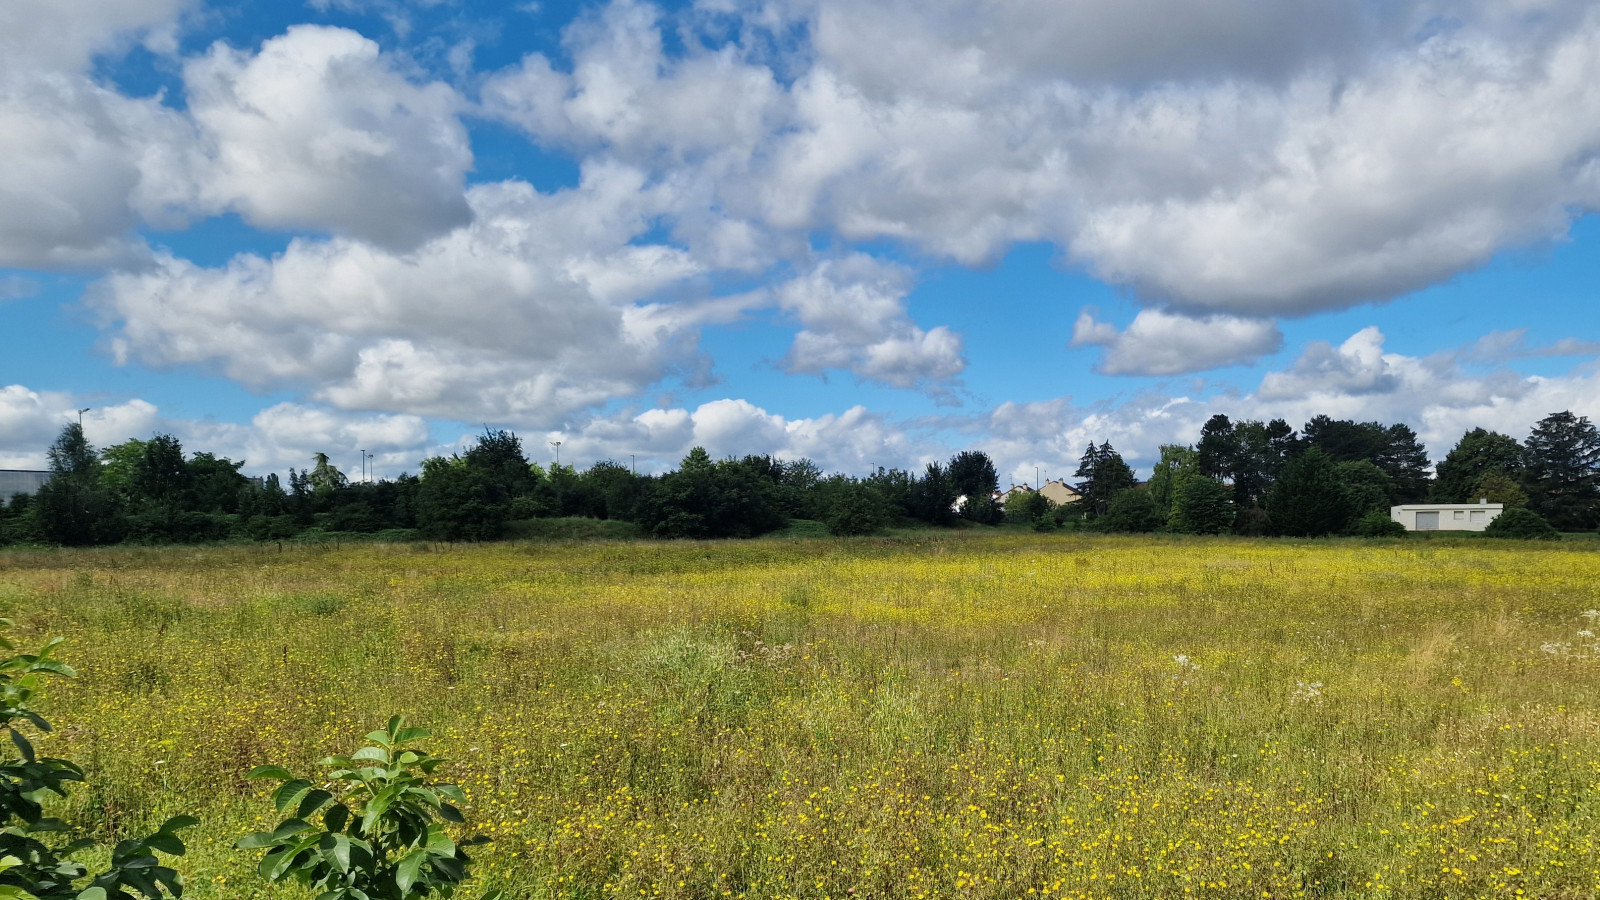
column 1551, row 290
column 214, row 241
column 500, row 152
column 65, row 351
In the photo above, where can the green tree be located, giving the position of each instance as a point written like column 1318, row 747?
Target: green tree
column 931, row 496
column 1475, row 455
column 1177, row 465
column 1104, row 475
column 1497, row 487
column 458, row 503
column 973, row 476
column 1130, row 510
column 324, row 477
column 850, row 507
column 73, row 508
column 1368, row 487
column 1562, row 471
column 1308, row 499
column 1218, row 448
column 1202, row 506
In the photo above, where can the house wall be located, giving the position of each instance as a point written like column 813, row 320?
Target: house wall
column 1446, row 516
column 1059, row 493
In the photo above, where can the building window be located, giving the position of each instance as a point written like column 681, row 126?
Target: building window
column 1461, row 515
column 1480, row 515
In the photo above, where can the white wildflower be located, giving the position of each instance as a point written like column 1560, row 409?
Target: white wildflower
column 1305, row 693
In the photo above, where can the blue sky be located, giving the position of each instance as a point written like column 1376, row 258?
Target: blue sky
column 868, row 234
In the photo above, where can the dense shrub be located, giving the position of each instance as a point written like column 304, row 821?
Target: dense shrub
column 1522, row 524
column 1131, row 510
column 1378, row 524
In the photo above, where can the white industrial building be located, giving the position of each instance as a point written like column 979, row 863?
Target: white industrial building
column 20, row 481
column 1446, row 516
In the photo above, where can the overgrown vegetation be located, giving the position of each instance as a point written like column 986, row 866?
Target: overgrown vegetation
column 948, row 714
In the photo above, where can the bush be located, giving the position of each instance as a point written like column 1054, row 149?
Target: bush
column 1521, row 524
column 1201, row 505
column 1379, row 524
column 381, row 832
column 1131, row 510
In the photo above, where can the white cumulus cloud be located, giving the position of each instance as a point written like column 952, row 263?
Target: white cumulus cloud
column 1163, row 343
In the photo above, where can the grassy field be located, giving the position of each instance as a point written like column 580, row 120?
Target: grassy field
column 960, row 716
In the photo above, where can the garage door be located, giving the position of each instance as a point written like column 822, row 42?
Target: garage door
column 1427, row 521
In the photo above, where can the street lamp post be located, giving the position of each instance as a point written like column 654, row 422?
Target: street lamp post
column 80, row 416
column 363, row 466
column 372, row 471
column 635, row 459
column 557, row 445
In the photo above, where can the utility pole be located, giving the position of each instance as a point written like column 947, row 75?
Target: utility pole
column 635, row 459
column 1036, row 479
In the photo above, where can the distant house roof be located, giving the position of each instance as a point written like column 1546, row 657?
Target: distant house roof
column 21, row 481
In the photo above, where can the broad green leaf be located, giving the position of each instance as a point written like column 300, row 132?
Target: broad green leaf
column 336, row 817
column 313, row 801
column 451, row 814
column 166, row 843
column 439, row 843
column 177, row 823
column 92, row 893
column 289, row 828
column 289, row 793
column 380, row 737
column 23, row 745
column 255, row 841
column 339, row 853
column 278, row 772
column 406, row 874
column 412, row 734
column 450, row 792
column 376, row 754
column 50, row 665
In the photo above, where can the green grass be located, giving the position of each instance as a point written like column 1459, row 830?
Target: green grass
column 938, row 714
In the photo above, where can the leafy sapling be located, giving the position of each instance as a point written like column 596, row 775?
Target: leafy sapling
column 380, row 825
column 30, row 867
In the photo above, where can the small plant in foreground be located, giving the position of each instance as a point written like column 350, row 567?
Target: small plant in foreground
column 379, row 836
column 31, row 868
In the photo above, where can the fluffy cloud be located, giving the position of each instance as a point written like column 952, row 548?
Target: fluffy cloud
column 856, row 440
column 1161, row 343
column 853, row 317
column 531, row 312
column 31, row 420
column 1240, row 157
column 319, row 130
column 276, row 438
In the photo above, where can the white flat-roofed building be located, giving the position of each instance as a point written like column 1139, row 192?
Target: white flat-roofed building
column 20, row 481
column 1446, row 516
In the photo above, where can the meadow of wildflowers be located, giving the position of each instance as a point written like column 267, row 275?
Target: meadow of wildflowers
column 961, row 716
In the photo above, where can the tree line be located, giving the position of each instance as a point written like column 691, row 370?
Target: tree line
column 1333, row 476
column 149, row 491
column 1338, row 476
